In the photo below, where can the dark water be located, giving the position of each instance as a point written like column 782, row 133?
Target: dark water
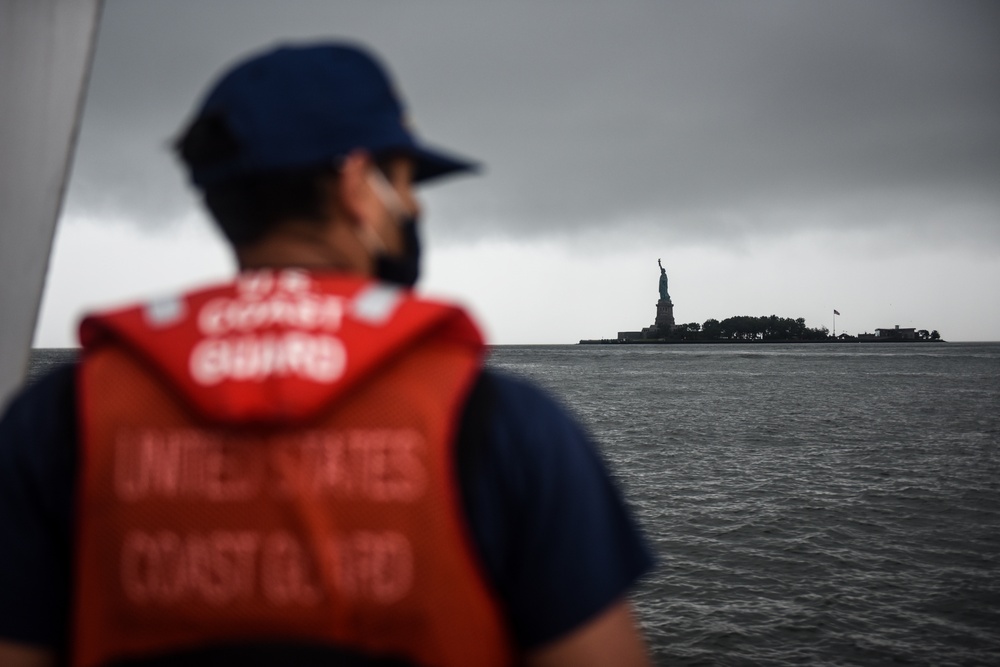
column 813, row 504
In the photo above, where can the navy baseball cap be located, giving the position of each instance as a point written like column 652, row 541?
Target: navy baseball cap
column 300, row 106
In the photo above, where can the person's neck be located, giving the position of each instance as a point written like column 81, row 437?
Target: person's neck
column 305, row 247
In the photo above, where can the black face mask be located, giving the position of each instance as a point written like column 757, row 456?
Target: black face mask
column 404, row 269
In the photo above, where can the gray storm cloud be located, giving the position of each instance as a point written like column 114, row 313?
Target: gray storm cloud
column 687, row 118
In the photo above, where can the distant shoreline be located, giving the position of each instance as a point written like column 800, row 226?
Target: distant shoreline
column 660, row 341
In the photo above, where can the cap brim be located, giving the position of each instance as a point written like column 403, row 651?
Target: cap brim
column 432, row 164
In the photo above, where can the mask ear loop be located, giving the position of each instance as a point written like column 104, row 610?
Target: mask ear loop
column 372, row 242
column 390, row 198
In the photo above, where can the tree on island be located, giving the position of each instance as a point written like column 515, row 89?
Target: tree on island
column 711, row 329
column 749, row 328
column 763, row 328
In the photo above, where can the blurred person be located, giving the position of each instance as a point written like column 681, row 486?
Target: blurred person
column 309, row 463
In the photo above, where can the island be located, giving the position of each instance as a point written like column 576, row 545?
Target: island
column 750, row 329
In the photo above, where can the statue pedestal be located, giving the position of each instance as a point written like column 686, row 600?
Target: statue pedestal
column 663, row 324
column 664, row 315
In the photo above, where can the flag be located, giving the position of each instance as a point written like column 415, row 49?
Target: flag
column 836, row 312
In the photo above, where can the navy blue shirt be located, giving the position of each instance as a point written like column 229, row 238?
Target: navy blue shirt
column 555, row 537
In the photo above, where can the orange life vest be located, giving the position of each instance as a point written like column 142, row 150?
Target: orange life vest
column 273, row 460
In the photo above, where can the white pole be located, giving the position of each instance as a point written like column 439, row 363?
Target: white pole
column 45, row 54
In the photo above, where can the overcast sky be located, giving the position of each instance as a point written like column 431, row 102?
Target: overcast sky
column 781, row 157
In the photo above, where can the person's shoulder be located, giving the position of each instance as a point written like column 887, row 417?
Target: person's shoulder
column 37, row 473
column 38, row 427
column 528, row 424
column 54, row 391
column 544, row 509
column 516, row 397
column 513, row 385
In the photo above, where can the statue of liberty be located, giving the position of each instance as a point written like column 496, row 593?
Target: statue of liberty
column 664, row 295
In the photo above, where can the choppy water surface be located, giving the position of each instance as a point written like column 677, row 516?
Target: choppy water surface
column 809, row 504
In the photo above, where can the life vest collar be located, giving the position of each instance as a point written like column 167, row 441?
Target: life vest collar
column 275, row 346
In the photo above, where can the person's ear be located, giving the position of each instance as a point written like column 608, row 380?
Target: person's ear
column 353, row 191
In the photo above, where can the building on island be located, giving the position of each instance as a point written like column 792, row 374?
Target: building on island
column 896, row 332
